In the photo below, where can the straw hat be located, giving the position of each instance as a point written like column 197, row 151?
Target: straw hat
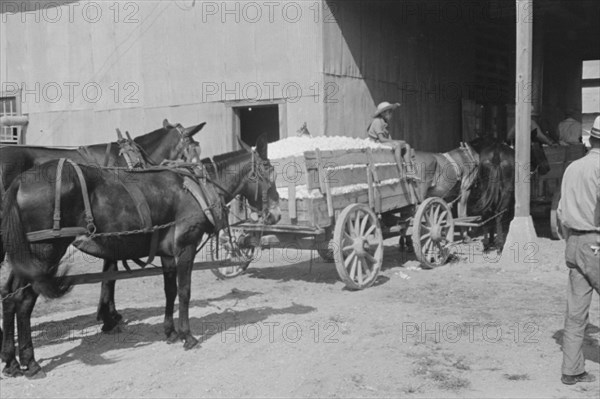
column 595, row 132
column 384, row 106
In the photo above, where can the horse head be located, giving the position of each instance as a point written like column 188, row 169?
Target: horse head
column 186, row 149
column 259, row 187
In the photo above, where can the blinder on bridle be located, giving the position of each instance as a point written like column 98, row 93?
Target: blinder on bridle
column 191, row 148
column 261, row 171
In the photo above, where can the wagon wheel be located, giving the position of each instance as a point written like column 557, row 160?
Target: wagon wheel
column 229, row 250
column 555, row 225
column 359, row 243
column 433, row 231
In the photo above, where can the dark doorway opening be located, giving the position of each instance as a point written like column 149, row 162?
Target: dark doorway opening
column 256, row 120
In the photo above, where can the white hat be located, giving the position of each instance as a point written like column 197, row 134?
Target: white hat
column 595, row 132
column 384, row 106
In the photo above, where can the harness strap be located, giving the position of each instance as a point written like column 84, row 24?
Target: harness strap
column 208, row 200
column 107, row 154
column 455, row 165
column 143, row 210
column 57, row 191
column 89, row 217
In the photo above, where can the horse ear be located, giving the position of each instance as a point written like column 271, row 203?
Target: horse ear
column 244, row 145
column 166, row 124
column 261, row 147
column 190, row 131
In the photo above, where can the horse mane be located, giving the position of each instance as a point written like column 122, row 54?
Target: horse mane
column 221, row 162
column 147, row 139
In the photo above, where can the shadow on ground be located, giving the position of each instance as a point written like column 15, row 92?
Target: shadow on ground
column 93, row 344
column 591, row 349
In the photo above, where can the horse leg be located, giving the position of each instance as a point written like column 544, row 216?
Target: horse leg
column 462, row 213
column 107, row 311
column 26, row 355
column 8, row 353
column 500, row 236
column 184, row 262
column 170, row 284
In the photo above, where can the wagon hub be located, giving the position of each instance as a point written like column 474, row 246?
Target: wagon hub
column 436, row 232
column 360, row 246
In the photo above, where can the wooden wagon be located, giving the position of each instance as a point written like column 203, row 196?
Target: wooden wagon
column 343, row 203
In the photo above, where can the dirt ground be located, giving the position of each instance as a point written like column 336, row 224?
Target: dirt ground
column 289, row 329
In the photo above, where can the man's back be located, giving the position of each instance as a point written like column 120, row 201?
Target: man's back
column 579, row 206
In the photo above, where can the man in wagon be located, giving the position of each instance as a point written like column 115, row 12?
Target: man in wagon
column 579, row 212
column 378, row 129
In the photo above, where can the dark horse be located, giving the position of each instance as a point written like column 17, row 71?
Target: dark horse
column 30, row 204
column 494, row 190
column 171, row 142
column 448, row 175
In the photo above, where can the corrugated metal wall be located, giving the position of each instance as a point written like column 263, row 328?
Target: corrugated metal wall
column 399, row 52
column 154, row 60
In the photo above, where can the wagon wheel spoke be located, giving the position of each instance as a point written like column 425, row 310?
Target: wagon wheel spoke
column 371, row 229
column 357, row 225
column 436, row 213
column 360, row 271
column 349, row 259
column 363, row 225
column 353, row 269
column 442, row 217
column 349, row 228
column 370, row 258
column 427, row 243
column 366, row 267
column 347, row 248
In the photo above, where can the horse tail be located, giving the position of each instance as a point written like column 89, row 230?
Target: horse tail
column 490, row 183
column 44, row 277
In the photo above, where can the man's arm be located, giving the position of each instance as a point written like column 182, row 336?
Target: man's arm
column 540, row 134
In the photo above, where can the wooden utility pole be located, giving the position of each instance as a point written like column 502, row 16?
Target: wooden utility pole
column 522, row 232
column 523, row 98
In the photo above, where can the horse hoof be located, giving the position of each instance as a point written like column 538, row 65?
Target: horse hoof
column 35, row 372
column 110, row 327
column 116, row 316
column 190, row 342
column 172, row 337
column 12, row 370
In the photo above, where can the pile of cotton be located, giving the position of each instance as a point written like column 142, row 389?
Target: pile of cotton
column 295, row 146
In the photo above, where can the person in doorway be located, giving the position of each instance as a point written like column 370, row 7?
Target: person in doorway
column 536, row 131
column 378, row 129
column 569, row 129
column 579, row 213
